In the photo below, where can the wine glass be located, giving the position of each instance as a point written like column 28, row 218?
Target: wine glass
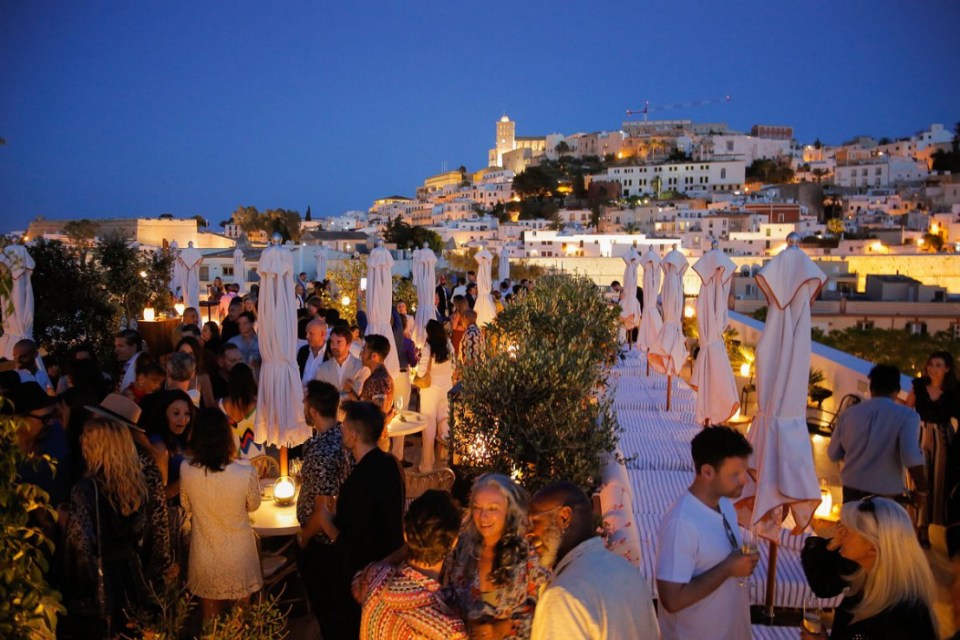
column 812, row 614
column 398, row 403
column 748, row 546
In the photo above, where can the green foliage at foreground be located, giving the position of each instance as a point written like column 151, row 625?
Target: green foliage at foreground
column 533, row 407
column 890, row 346
column 262, row 619
column 28, row 606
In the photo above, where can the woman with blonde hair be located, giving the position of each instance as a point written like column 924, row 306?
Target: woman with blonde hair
column 104, row 563
column 492, row 576
column 876, row 561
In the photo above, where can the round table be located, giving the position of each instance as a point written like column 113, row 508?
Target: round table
column 270, row 519
column 404, row 424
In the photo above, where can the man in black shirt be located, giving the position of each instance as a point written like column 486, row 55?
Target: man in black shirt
column 229, row 327
column 366, row 525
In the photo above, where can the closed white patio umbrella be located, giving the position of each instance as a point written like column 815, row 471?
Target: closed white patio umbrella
column 650, row 321
column 239, row 268
column 713, row 378
column 504, row 263
column 783, row 479
column 190, row 260
column 321, row 264
column 176, row 278
column 485, row 308
column 629, row 304
column 425, row 281
column 380, row 301
column 18, row 302
column 669, row 351
column 279, row 419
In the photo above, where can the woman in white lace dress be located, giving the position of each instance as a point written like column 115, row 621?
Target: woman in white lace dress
column 218, row 493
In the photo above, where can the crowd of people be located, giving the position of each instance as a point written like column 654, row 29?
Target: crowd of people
column 157, row 469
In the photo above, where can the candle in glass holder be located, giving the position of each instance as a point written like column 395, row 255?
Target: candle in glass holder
column 149, row 314
column 179, row 308
column 284, row 490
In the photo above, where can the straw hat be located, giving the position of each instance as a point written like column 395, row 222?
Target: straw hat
column 118, row 407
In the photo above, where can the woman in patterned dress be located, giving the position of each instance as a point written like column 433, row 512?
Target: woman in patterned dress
column 116, row 490
column 217, row 494
column 493, row 576
column 936, row 398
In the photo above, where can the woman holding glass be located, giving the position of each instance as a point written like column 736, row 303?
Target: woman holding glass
column 877, row 563
column 493, row 576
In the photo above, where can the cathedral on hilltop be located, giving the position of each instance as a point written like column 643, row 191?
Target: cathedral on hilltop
column 514, row 152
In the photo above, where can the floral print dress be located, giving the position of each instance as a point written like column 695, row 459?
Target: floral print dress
column 514, row 601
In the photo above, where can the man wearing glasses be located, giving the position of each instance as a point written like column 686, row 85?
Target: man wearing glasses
column 700, row 568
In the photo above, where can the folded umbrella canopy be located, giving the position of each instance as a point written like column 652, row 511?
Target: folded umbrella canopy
column 380, row 301
column 629, row 304
column 18, row 301
column 783, row 480
column 669, row 352
column 504, row 263
column 713, row 378
column 176, row 278
column 425, row 281
column 650, row 322
column 486, row 310
column 279, row 418
column 190, row 260
column 239, row 268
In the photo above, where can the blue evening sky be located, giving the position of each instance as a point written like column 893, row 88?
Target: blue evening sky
column 114, row 109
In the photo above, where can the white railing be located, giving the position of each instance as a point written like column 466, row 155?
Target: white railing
column 843, row 373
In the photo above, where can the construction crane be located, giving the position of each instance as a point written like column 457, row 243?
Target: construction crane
column 647, row 107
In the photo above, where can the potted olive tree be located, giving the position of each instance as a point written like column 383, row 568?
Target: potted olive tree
column 533, row 407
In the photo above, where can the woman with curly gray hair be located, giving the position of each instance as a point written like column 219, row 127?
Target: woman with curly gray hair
column 492, row 576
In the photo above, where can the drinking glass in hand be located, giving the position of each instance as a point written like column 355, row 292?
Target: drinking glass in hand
column 748, row 546
column 812, row 615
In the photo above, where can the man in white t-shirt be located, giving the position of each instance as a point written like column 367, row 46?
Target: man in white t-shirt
column 700, row 568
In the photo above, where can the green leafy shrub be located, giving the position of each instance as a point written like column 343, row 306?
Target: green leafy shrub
column 533, row 407
column 28, row 606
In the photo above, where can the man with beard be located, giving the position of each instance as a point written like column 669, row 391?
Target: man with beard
column 594, row 594
column 700, row 568
column 342, row 366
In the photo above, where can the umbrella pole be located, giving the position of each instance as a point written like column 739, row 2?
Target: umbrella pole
column 648, row 363
column 283, row 461
column 669, row 390
column 771, row 581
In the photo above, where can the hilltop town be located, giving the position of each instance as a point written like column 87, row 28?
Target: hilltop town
column 880, row 216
